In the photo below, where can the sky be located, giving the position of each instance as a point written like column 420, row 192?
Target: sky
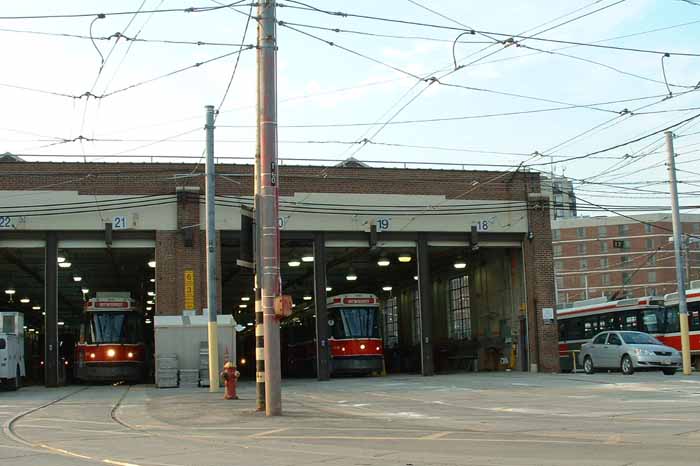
column 366, row 79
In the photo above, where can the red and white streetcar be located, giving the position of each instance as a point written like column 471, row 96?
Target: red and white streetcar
column 672, row 332
column 111, row 346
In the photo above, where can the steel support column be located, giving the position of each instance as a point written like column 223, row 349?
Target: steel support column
column 425, row 292
column 323, row 357
column 51, row 350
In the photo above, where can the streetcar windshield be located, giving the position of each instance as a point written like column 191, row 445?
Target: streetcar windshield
column 114, row 327
column 356, row 322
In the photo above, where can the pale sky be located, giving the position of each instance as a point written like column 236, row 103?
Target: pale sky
column 140, row 117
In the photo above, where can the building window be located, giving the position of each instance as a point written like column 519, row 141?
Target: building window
column 391, row 322
column 580, row 232
column 459, row 317
column 605, row 279
column 581, row 248
column 416, row 318
column 651, row 276
column 649, row 244
column 558, row 265
column 602, row 231
column 652, row 260
column 651, row 291
column 560, row 283
column 603, row 246
column 583, row 281
column 556, row 235
column 604, row 263
column 583, row 264
column 696, row 227
column 557, row 250
column 624, row 261
column 623, row 229
column 648, row 228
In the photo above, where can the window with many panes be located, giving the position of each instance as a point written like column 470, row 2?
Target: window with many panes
column 556, row 235
column 624, row 261
column 605, row 279
column 560, row 283
column 652, row 260
column 651, row 291
column 623, row 229
column 583, row 281
column 603, row 246
column 649, row 244
column 415, row 330
column 390, row 311
column 651, row 276
column 602, row 231
column 604, row 263
column 583, row 265
column 696, row 227
column 459, row 318
column 580, row 232
column 581, row 248
column 557, row 250
column 648, row 228
column 626, row 278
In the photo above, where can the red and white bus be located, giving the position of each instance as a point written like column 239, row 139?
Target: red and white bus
column 580, row 323
column 672, row 335
column 111, row 346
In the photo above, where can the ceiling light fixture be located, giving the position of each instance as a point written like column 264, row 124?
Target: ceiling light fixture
column 24, row 300
column 152, row 280
column 149, row 308
column 387, row 288
column 405, row 258
column 149, row 302
column 85, row 290
column 245, row 298
column 60, row 259
column 243, row 306
column 152, row 263
column 65, row 265
column 308, row 298
column 10, row 290
column 460, row 263
column 151, row 293
column 415, row 277
column 36, row 308
column 307, row 258
column 328, row 288
column 77, row 278
column 294, row 263
column 383, row 261
column 351, row 276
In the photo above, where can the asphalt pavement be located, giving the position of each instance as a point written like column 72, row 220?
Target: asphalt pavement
column 462, row 419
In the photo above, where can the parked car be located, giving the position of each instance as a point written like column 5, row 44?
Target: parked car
column 629, row 351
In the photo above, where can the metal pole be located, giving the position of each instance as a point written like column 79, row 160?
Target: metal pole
column 212, row 279
column 259, row 324
column 678, row 249
column 269, row 196
column 51, row 350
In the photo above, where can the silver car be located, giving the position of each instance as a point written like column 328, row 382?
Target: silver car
column 629, row 351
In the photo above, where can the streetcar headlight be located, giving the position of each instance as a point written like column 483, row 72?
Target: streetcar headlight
column 362, row 346
column 130, row 355
column 111, row 353
column 378, row 348
column 92, row 355
column 343, row 348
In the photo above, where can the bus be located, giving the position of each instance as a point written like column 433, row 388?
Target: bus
column 356, row 344
column 580, row 323
column 672, row 332
column 111, row 346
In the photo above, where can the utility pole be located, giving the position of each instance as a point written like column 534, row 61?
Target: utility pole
column 269, row 199
column 259, row 323
column 678, row 249
column 212, row 279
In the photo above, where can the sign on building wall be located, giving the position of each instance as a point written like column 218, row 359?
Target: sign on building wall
column 189, row 289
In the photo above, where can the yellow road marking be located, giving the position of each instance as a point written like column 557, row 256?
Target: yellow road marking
column 268, row 432
column 65, row 452
column 118, row 463
column 436, row 435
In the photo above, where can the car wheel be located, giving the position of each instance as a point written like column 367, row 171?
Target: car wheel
column 626, row 365
column 669, row 371
column 588, row 365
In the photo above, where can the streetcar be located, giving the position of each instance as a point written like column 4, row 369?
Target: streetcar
column 356, row 345
column 580, row 323
column 111, row 346
column 672, row 335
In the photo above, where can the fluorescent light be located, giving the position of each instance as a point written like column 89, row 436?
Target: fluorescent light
column 36, row 308
column 245, row 298
column 61, row 323
column 85, row 290
column 307, row 298
column 65, row 265
column 243, row 306
column 383, row 261
column 24, row 300
column 307, row 258
column 294, row 263
column 152, row 280
column 151, row 293
column 77, row 278
column 148, row 321
column 387, row 288
column 60, row 259
column 152, row 263
column 250, row 324
column 404, row 258
column 10, row 291
column 43, row 313
column 351, row 276
column 150, row 302
column 294, row 305
column 415, row 277
column 328, row 288
column 149, row 308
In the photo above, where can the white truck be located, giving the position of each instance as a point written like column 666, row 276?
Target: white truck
column 12, row 367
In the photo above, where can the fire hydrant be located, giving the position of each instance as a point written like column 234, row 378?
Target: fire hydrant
column 230, row 376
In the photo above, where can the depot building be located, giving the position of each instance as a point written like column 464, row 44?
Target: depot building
column 460, row 261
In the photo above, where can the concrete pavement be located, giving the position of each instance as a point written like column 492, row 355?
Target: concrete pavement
column 465, row 419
